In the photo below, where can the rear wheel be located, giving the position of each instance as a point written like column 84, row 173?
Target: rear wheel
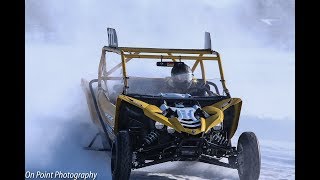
column 121, row 159
column 249, row 160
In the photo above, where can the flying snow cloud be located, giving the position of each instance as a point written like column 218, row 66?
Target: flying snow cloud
column 255, row 69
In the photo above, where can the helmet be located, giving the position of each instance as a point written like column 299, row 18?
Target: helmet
column 181, row 75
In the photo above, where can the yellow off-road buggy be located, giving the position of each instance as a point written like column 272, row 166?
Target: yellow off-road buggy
column 144, row 123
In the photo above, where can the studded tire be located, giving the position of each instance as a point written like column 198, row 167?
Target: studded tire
column 249, row 159
column 121, row 156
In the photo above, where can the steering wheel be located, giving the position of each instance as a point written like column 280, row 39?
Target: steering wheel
column 197, row 89
column 215, row 87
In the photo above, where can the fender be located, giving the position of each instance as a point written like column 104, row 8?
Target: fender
column 153, row 112
column 225, row 104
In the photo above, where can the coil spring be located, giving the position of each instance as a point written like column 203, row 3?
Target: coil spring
column 219, row 139
column 151, row 137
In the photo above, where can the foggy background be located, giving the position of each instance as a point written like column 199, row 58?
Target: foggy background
column 63, row 44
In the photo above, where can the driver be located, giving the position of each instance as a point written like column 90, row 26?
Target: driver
column 183, row 81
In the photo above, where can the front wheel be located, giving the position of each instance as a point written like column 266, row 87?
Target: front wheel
column 249, row 159
column 121, row 158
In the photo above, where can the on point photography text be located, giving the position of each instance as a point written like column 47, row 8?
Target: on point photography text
column 60, row 175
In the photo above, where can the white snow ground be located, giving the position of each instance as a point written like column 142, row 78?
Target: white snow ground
column 56, row 145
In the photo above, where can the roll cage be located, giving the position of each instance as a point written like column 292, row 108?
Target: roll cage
column 129, row 53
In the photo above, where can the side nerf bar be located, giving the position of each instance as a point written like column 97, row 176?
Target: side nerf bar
column 105, row 129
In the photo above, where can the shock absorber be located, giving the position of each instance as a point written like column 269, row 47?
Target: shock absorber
column 219, row 139
column 151, row 137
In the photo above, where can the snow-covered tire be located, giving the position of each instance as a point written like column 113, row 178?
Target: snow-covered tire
column 121, row 159
column 249, row 159
column 105, row 140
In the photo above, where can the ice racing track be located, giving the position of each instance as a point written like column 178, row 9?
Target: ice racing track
column 68, row 156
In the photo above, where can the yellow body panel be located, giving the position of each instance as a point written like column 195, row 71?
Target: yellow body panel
column 106, row 108
column 153, row 112
column 214, row 120
column 225, row 104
